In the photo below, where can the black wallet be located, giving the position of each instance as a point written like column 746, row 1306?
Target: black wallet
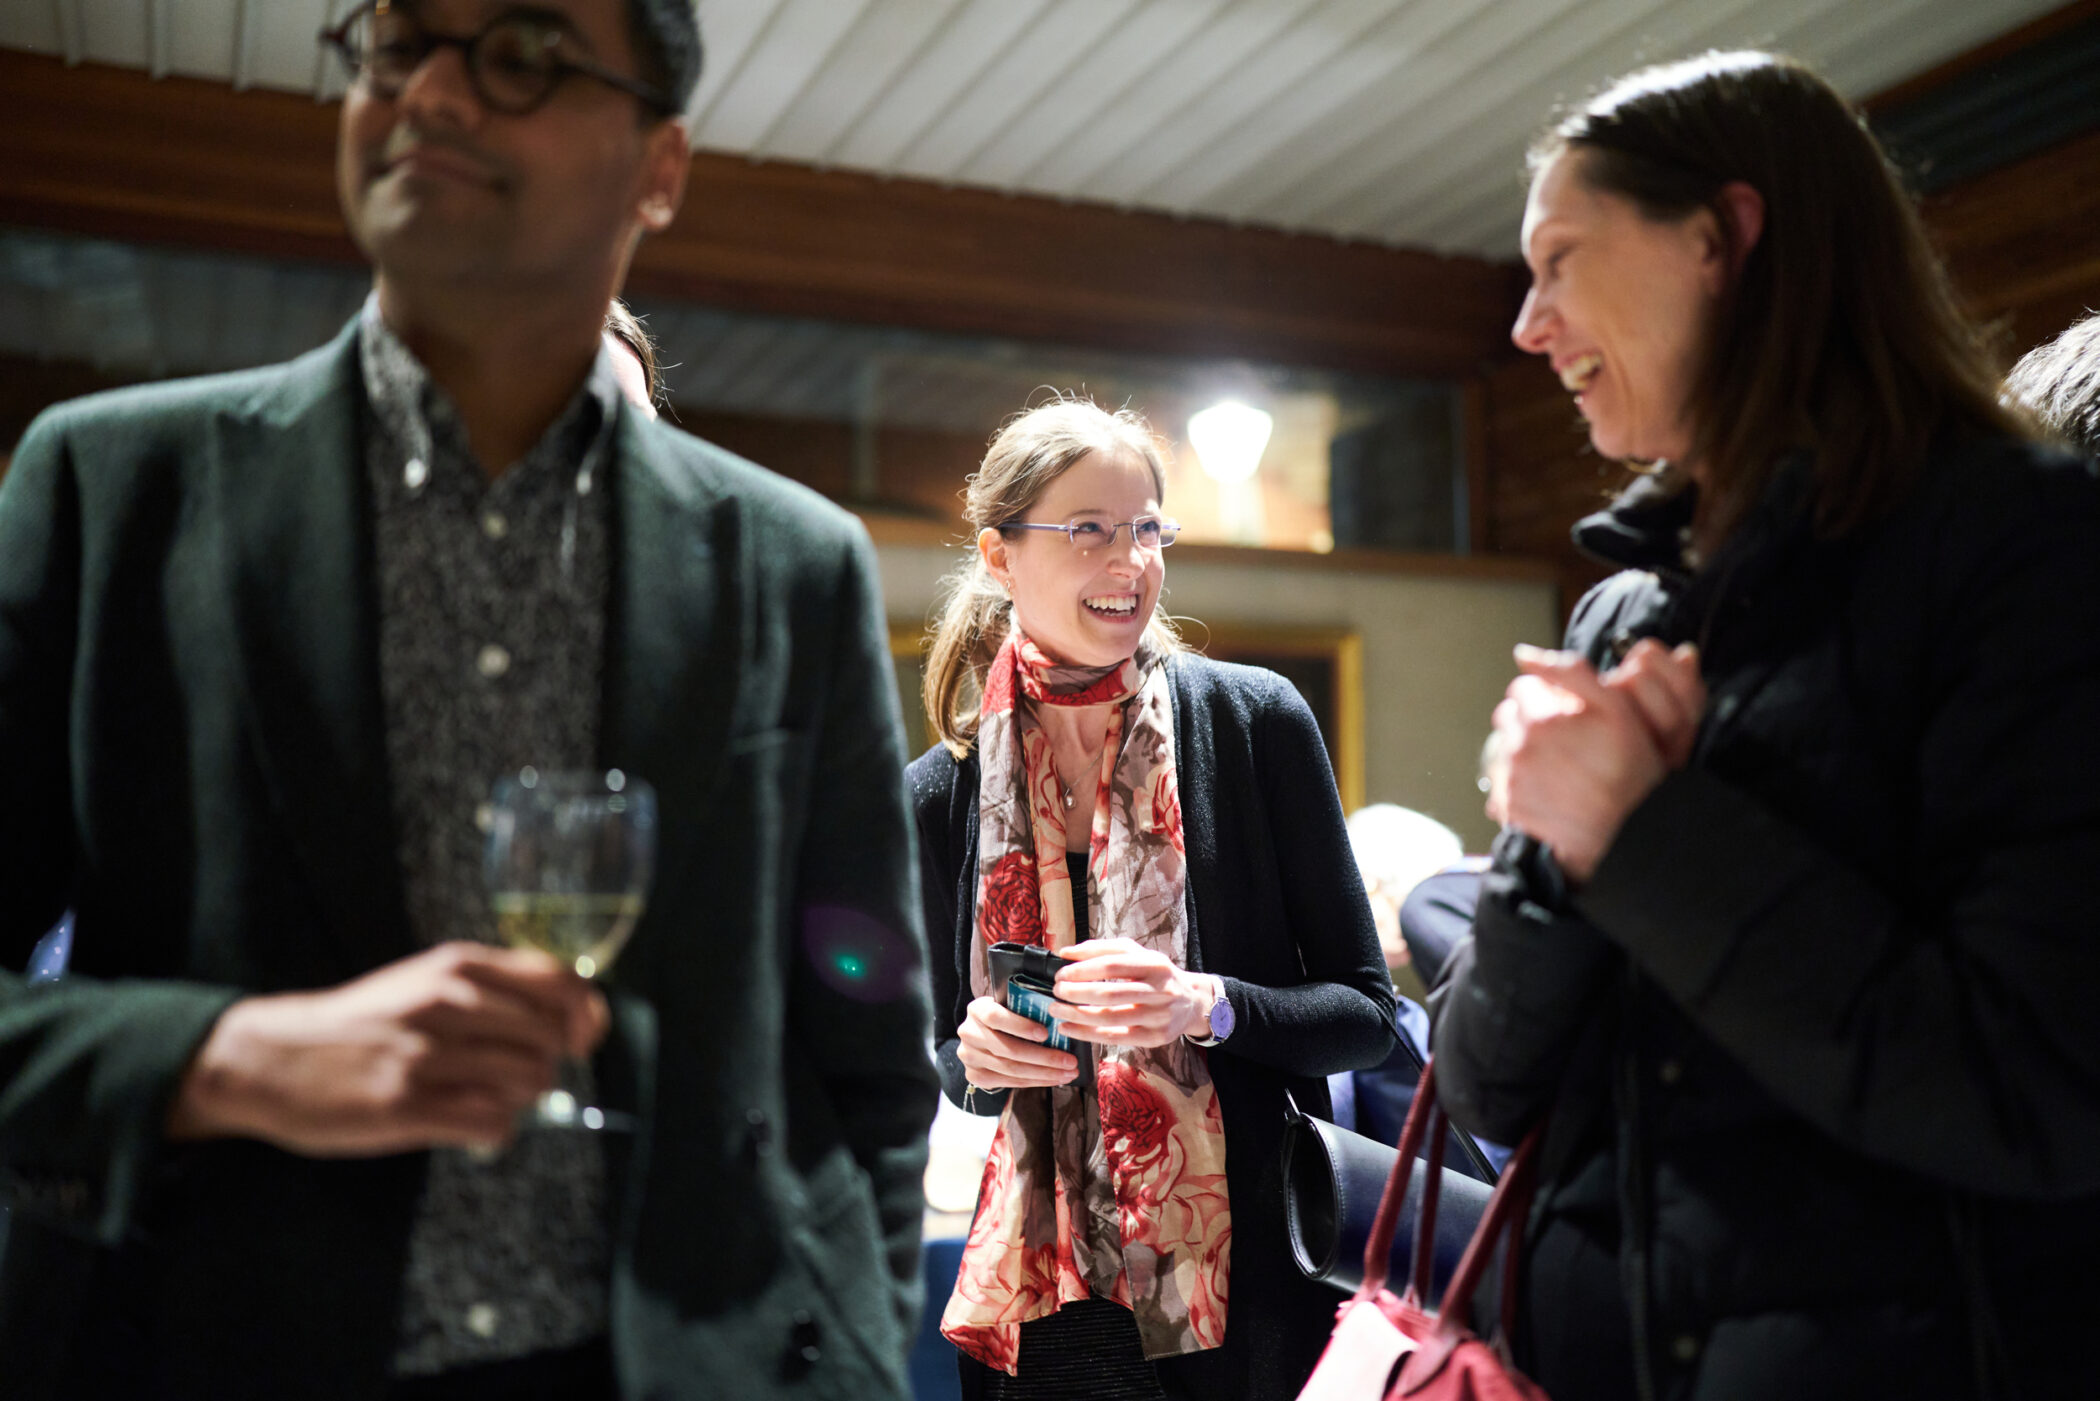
column 1024, row 978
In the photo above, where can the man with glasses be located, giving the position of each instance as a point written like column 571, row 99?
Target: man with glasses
column 266, row 641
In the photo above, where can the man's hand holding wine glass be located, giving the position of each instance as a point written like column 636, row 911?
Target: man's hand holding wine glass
column 444, row 1048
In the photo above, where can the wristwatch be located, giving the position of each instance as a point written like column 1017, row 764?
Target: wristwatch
column 1222, row 1020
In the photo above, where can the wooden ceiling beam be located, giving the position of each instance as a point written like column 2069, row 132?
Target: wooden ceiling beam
column 113, row 153
column 2038, row 30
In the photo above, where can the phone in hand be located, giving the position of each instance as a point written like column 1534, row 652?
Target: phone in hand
column 1024, row 977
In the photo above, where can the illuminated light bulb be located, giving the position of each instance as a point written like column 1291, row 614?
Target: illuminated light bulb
column 1229, row 438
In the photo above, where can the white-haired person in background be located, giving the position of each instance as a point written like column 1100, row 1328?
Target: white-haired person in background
column 2059, row 383
column 1422, row 888
column 1396, row 849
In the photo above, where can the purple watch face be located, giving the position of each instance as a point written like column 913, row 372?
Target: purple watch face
column 1221, row 1020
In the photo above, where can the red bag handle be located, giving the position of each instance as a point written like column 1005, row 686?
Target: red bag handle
column 1506, row 1211
column 1380, row 1245
column 1510, row 1205
column 1438, row 1130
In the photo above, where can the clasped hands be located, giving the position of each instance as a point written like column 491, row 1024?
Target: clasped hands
column 1112, row 992
column 443, row 1048
column 1574, row 753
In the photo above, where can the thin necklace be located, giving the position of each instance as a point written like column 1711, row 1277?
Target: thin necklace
column 1068, row 787
column 1092, row 763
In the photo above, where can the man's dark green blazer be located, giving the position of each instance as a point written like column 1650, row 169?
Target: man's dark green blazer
column 192, row 742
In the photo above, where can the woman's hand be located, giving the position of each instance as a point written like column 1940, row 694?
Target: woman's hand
column 1572, row 756
column 1665, row 686
column 1115, row 992
column 1003, row 1050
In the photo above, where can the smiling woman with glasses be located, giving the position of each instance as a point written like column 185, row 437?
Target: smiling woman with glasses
column 1095, row 788
column 515, row 61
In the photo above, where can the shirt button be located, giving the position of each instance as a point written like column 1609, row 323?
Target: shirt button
column 806, row 1338
column 1670, row 1072
column 494, row 525
column 1684, row 1347
column 492, row 661
column 415, row 473
column 482, row 1320
column 759, row 1132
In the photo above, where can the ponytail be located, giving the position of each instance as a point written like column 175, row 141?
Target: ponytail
column 975, row 614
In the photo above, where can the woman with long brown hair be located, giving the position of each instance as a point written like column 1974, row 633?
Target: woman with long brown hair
column 1788, row 936
column 1167, row 828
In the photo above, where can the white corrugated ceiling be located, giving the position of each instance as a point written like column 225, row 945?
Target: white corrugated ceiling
column 1396, row 121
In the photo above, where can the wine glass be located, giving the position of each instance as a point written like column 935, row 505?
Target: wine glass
column 569, row 860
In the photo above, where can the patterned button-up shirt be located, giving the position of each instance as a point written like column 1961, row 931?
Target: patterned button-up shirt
column 492, row 606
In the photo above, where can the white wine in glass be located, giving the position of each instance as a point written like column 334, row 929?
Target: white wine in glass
column 583, row 931
column 569, row 861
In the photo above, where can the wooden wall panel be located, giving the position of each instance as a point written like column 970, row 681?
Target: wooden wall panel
column 2039, row 30
column 781, row 238
column 2023, row 242
column 28, row 387
column 1541, row 474
column 919, row 472
column 110, row 152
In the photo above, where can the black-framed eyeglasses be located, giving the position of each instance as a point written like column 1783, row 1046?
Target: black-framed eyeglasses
column 1150, row 532
column 515, row 61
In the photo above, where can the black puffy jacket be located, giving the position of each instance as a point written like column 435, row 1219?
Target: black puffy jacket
column 1820, row 1036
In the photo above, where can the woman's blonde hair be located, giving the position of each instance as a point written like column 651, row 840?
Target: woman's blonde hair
column 1032, row 451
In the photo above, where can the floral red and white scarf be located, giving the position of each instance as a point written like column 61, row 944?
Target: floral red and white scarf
column 1115, row 1191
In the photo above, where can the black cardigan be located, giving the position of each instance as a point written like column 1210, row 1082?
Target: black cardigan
column 1277, row 911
